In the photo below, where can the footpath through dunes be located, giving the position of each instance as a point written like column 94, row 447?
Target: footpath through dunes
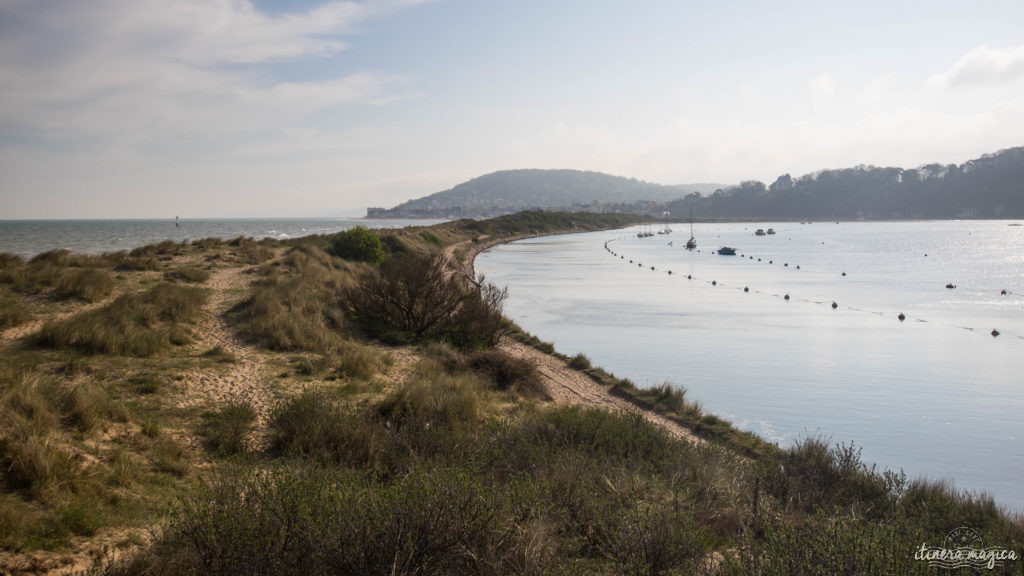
column 565, row 384
column 244, row 378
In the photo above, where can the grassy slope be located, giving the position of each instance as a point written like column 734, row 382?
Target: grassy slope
column 366, row 446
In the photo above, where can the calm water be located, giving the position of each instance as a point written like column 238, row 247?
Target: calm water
column 30, row 237
column 936, row 394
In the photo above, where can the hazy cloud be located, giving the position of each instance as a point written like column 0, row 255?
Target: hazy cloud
column 985, row 65
column 131, row 73
column 822, row 85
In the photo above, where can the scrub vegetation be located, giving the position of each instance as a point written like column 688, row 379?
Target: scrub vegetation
column 286, row 410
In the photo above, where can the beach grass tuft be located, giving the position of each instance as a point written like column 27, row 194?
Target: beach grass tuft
column 138, row 324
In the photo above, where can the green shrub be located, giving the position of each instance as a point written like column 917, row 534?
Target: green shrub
column 314, row 424
column 432, row 398
column 300, row 520
column 393, row 245
column 227, row 430
column 580, row 362
column 813, row 476
column 415, row 297
column 358, row 244
column 506, row 372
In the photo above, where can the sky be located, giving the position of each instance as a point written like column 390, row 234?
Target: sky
column 274, row 108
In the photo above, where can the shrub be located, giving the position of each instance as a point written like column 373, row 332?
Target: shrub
column 812, row 476
column 394, row 245
column 226, row 430
column 506, row 372
column 301, row 520
column 580, row 362
column 432, row 398
column 313, row 424
column 416, row 297
column 357, row 244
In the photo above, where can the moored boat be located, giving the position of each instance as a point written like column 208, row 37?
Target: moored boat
column 727, row 251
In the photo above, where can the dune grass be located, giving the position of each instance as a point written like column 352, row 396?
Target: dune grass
column 138, row 324
column 296, row 306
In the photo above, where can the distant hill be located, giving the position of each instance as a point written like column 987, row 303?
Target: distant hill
column 510, row 191
column 991, row 186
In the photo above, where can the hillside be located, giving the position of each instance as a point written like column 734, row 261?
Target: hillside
column 991, row 186
column 510, row 191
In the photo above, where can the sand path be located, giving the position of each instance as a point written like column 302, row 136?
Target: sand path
column 567, row 385
column 242, row 380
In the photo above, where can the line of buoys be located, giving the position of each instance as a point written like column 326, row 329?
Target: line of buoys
column 835, row 305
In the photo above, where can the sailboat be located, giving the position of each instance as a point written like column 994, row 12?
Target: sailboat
column 691, row 244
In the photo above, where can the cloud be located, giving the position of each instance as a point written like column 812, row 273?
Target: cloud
column 822, row 85
column 984, row 65
column 189, row 76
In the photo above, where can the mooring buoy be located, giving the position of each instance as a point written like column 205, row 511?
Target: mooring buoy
column 902, row 317
column 995, row 332
column 834, row 305
column 786, row 297
column 746, row 289
column 714, row 282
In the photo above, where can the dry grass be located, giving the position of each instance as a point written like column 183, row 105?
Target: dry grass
column 139, row 324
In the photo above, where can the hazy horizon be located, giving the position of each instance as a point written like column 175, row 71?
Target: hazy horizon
column 267, row 108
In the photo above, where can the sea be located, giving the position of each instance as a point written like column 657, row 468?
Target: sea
column 27, row 238
column 799, row 335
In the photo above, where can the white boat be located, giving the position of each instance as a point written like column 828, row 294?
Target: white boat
column 691, row 244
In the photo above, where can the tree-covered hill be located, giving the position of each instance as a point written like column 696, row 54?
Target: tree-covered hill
column 510, row 191
column 991, row 186
column 988, row 187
